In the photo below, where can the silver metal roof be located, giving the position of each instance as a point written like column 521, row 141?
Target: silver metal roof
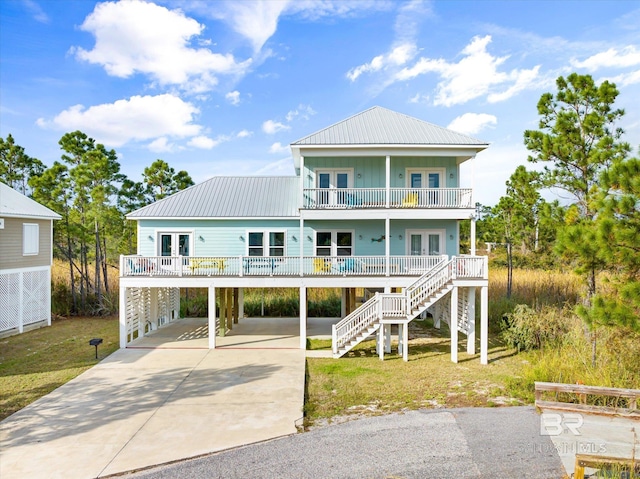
column 379, row 126
column 14, row 204
column 229, row 197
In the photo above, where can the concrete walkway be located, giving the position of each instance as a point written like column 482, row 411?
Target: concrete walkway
column 159, row 402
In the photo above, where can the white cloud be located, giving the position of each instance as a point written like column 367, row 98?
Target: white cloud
column 161, row 145
column 398, row 56
column 277, row 147
column 233, row 97
column 626, row 57
column 203, row 142
column 138, row 118
column 303, row 111
column 419, row 98
column 257, row 21
column 475, row 75
column 524, row 79
column 244, row 134
column 626, row 79
column 139, row 37
column 472, row 123
column 270, row 127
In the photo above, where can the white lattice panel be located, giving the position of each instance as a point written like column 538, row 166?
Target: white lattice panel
column 463, row 309
column 35, row 292
column 9, row 301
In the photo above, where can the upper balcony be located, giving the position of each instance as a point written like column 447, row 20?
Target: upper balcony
column 376, row 198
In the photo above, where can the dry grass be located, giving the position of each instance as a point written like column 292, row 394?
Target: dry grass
column 360, row 383
column 35, row 363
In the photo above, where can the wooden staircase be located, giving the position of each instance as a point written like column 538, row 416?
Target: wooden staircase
column 402, row 308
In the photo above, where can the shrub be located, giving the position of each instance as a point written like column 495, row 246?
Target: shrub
column 526, row 329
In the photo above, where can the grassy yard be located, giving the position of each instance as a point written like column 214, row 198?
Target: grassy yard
column 35, row 363
column 360, row 383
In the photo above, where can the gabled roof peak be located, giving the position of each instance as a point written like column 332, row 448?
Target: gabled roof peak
column 381, row 126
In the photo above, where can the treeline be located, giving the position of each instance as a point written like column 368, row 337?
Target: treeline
column 596, row 231
column 87, row 189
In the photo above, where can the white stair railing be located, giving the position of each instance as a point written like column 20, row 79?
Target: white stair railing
column 355, row 323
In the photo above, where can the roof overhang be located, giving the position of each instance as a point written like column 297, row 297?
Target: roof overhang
column 210, row 218
column 462, row 153
column 29, row 217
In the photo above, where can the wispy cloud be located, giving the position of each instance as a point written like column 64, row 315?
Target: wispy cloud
column 623, row 58
column 270, row 127
column 233, row 97
column 36, row 11
column 277, row 147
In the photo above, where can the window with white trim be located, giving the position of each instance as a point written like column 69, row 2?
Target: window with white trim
column 30, row 239
column 266, row 243
column 334, row 243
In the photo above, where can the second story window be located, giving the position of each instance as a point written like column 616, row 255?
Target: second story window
column 334, row 243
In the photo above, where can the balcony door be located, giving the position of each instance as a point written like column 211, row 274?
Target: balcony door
column 425, row 242
column 333, row 181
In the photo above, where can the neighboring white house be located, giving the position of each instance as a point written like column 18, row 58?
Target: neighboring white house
column 26, row 249
column 375, row 203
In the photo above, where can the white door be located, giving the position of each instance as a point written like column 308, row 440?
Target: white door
column 332, row 181
column 425, row 243
column 174, row 244
column 423, row 179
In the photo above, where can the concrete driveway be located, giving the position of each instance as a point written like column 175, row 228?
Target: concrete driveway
column 161, row 402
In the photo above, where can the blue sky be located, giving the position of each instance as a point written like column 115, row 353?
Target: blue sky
column 222, row 88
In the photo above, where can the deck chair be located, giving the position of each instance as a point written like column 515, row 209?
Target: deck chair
column 321, row 265
column 410, row 201
column 349, row 265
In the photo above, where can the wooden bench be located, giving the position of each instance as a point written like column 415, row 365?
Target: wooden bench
column 614, row 464
column 207, row 266
column 631, row 398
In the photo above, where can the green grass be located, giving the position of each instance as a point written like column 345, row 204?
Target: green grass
column 35, row 363
column 360, row 383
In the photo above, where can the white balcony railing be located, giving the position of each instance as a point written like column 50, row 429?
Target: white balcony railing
column 239, row 266
column 364, row 198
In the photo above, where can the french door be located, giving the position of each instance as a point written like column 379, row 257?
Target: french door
column 332, row 181
column 174, row 244
column 429, row 178
column 425, row 242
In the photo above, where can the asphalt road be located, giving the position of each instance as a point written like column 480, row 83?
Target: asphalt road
column 491, row 443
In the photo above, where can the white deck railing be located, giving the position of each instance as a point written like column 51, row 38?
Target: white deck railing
column 279, row 265
column 340, row 198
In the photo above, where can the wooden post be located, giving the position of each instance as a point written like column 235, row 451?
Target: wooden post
column 235, row 306
column 343, row 303
column 387, row 338
column 352, row 300
column 405, row 342
column 347, row 300
column 212, row 316
column 223, row 320
column 241, row 303
column 229, row 306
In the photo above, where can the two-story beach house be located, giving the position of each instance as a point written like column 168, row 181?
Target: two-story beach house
column 375, row 203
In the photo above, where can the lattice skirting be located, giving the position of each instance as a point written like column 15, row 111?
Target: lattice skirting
column 149, row 308
column 25, row 298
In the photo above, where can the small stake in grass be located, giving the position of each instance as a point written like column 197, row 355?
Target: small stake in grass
column 95, row 342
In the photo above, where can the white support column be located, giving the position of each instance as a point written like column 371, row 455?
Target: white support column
column 153, row 313
column 240, row 303
column 301, row 241
column 20, row 302
column 48, row 298
column 453, row 324
column 212, row 316
column 123, row 316
column 387, row 245
column 387, row 338
column 437, row 312
column 484, row 325
column 303, row 318
column 471, row 335
column 400, row 336
column 380, row 343
column 473, row 236
column 405, row 342
column 388, row 181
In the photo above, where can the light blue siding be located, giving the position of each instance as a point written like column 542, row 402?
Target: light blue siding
column 372, row 170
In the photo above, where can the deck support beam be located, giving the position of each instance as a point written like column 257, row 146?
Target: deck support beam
column 211, row 316
column 303, row 318
column 222, row 331
column 405, row 342
column 387, row 338
column 471, row 333
column 236, row 316
column 343, row 303
column 123, row 316
column 240, row 303
column 453, row 324
column 484, row 325
column 380, row 343
column 228, row 301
